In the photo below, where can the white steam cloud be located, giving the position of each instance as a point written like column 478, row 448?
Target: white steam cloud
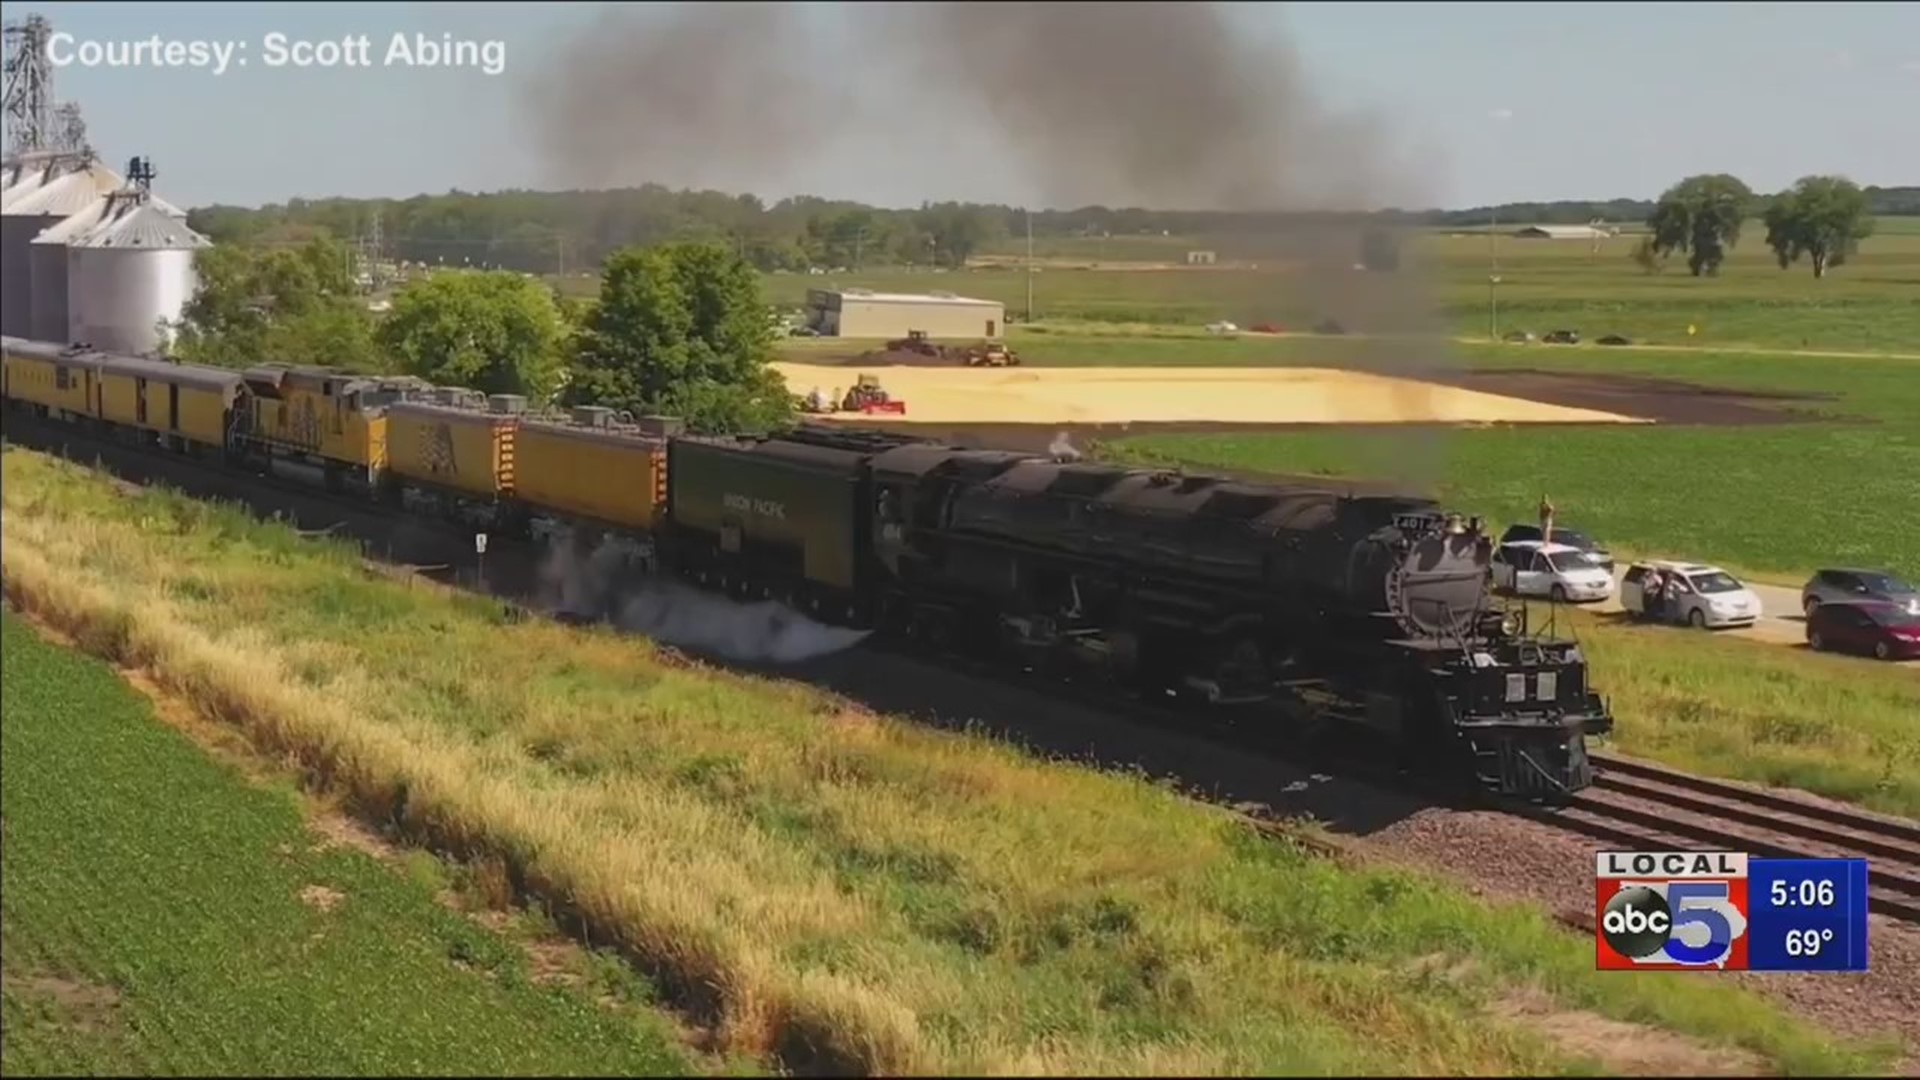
column 610, row 583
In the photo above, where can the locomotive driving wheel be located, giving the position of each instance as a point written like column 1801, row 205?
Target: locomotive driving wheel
column 1243, row 668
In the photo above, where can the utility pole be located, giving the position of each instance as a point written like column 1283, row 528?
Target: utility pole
column 366, row 251
column 1029, row 266
column 1493, row 274
column 376, row 270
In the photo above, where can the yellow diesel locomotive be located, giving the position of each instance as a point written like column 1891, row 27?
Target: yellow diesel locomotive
column 464, row 454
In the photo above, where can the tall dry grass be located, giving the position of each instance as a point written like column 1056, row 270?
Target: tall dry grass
column 823, row 889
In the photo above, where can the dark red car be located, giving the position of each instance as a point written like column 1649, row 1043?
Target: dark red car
column 1888, row 631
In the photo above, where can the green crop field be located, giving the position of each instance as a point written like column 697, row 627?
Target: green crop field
column 163, row 915
column 825, row 888
column 1775, row 500
column 1872, row 303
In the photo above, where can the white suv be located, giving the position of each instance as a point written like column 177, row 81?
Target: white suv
column 1556, row 571
column 1697, row 594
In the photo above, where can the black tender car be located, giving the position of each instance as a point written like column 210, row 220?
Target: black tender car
column 1562, row 534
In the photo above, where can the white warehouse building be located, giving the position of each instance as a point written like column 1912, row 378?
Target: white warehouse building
column 863, row 313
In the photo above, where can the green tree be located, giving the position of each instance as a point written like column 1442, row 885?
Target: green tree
column 958, row 230
column 494, row 331
column 681, row 330
column 1700, row 216
column 1821, row 217
column 1646, row 256
column 336, row 335
column 287, row 304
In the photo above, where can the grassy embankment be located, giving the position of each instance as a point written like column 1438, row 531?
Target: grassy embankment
column 1870, row 304
column 821, row 886
column 164, row 915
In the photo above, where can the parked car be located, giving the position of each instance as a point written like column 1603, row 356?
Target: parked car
column 1562, row 337
column 1887, row 631
column 1561, row 535
column 1700, row 595
column 1613, row 339
column 1557, row 571
column 1828, row 586
column 1518, row 337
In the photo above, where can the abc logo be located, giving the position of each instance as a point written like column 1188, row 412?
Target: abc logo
column 1637, row 922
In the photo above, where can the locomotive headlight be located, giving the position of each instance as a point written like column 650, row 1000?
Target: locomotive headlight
column 1510, row 623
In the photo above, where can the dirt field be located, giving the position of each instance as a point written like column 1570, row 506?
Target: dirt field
column 1242, row 396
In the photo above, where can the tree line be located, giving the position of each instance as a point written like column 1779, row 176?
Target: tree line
column 561, row 231
column 678, row 329
column 1820, row 218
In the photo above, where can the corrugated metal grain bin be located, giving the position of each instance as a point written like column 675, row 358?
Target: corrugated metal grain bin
column 616, row 476
column 788, row 507
column 62, row 194
column 464, row 450
column 129, row 275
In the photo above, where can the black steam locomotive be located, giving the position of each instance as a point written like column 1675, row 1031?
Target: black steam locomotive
column 1291, row 605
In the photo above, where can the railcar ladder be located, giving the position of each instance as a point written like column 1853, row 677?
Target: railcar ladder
column 503, row 474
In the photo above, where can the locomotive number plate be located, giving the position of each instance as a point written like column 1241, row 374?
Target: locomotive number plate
column 1416, row 522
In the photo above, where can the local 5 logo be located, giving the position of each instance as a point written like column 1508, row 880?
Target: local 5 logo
column 1672, row 924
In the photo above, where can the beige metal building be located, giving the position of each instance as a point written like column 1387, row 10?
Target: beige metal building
column 1561, row 232
column 863, row 313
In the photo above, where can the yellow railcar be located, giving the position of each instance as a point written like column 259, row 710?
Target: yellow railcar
column 187, row 402
column 333, row 416
column 54, row 377
column 614, row 474
column 453, row 443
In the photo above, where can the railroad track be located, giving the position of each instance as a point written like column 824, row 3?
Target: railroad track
column 1645, row 807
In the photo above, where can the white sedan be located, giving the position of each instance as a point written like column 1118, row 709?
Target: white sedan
column 1561, row 573
column 1699, row 595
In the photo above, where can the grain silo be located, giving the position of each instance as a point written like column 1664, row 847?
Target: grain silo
column 24, row 173
column 48, row 259
column 130, row 274
column 23, row 218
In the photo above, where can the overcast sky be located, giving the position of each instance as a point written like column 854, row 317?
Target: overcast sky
column 1497, row 102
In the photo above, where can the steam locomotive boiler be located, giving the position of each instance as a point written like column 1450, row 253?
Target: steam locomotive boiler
column 1283, row 605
